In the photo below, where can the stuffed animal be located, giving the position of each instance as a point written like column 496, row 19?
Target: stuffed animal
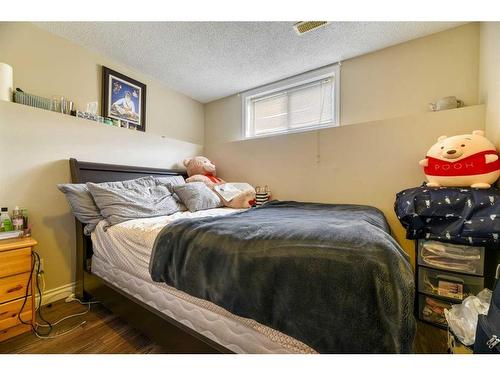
column 463, row 160
column 200, row 169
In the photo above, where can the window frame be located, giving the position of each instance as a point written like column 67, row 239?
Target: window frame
column 281, row 86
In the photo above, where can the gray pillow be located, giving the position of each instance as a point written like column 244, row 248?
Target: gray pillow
column 133, row 201
column 171, row 180
column 130, row 184
column 82, row 205
column 197, row 196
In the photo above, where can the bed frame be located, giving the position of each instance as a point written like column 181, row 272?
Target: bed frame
column 174, row 336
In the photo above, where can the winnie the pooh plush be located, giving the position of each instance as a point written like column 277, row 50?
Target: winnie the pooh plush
column 462, row 160
column 200, row 169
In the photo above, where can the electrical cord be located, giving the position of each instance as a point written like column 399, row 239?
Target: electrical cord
column 67, row 317
column 41, row 279
column 36, row 262
column 40, row 293
column 73, row 315
column 47, row 337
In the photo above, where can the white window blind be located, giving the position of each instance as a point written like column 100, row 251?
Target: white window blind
column 297, row 106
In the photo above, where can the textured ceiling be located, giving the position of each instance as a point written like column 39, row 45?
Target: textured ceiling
column 211, row 60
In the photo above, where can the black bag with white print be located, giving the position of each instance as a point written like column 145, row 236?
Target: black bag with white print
column 488, row 326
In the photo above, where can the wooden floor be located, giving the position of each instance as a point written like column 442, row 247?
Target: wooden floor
column 103, row 333
column 106, row 333
column 430, row 340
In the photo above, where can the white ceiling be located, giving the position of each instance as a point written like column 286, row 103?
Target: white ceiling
column 211, row 60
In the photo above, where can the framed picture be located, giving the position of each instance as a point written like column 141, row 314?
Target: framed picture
column 124, row 99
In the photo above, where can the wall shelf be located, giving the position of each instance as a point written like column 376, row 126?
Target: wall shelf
column 67, row 115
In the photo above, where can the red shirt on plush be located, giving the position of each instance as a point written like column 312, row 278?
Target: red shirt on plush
column 212, row 178
column 471, row 165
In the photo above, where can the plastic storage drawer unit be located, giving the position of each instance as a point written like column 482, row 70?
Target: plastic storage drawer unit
column 432, row 310
column 452, row 257
column 444, row 284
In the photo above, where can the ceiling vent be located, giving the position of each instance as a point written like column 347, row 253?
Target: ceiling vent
column 303, row 27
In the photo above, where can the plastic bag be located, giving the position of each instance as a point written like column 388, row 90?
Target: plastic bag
column 462, row 318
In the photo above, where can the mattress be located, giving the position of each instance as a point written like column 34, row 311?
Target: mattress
column 121, row 257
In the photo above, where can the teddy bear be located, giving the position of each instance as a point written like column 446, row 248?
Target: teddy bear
column 462, row 160
column 201, row 169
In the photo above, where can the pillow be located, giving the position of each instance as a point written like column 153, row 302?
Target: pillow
column 197, row 196
column 133, row 201
column 82, row 205
column 130, row 184
column 171, row 180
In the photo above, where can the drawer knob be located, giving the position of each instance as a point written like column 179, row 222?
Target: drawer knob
column 15, row 289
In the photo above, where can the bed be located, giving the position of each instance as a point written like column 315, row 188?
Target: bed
column 112, row 267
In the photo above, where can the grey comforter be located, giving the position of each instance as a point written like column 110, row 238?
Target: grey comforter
column 330, row 276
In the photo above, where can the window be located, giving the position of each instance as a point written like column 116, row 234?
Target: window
column 306, row 102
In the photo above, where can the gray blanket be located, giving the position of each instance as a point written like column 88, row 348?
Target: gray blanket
column 330, row 276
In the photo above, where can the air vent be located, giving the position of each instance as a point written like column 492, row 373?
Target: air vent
column 306, row 26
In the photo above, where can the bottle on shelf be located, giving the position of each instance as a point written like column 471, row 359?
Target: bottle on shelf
column 18, row 219
column 5, row 221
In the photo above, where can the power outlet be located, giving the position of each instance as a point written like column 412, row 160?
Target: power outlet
column 42, row 265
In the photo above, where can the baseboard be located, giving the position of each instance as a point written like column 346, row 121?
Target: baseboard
column 56, row 294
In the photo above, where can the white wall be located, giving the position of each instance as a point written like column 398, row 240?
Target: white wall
column 403, row 79
column 490, row 78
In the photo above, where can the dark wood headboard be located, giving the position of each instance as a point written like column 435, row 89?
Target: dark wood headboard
column 82, row 172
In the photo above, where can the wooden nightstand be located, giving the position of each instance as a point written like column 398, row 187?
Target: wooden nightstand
column 15, row 268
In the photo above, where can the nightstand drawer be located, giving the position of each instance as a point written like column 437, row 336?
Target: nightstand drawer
column 13, row 287
column 10, row 310
column 15, row 261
